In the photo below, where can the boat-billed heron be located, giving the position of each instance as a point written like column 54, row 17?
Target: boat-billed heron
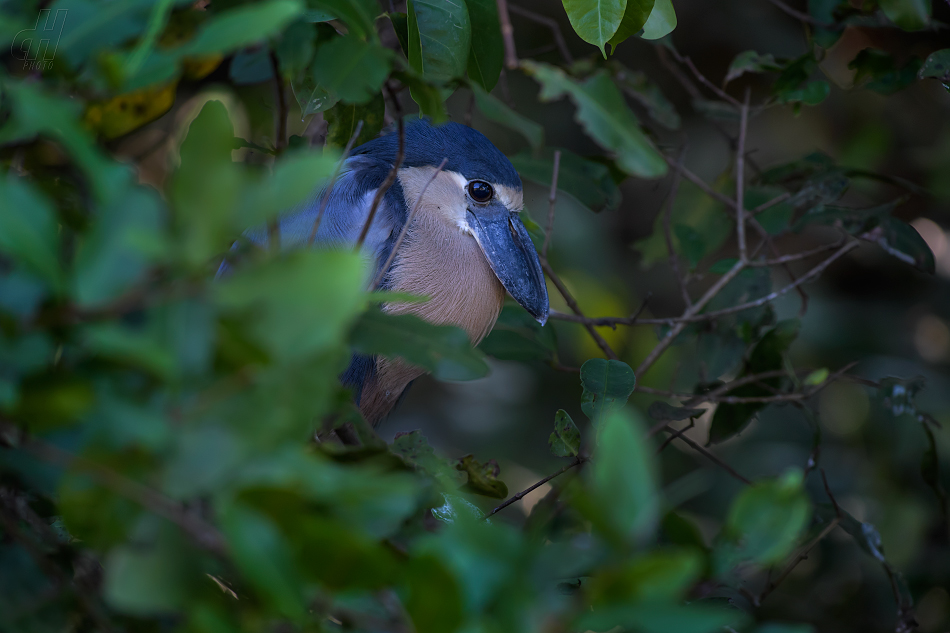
column 465, row 247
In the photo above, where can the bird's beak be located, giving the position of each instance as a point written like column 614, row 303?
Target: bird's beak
column 511, row 255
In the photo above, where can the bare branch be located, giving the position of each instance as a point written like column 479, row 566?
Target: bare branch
column 383, row 188
column 709, row 455
column 572, row 304
column 552, row 200
column 405, row 227
column 552, row 24
column 336, row 174
column 794, row 257
column 740, row 179
column 507, row 34
column 577, row 461
column 802, row 555
column 769, row 204
column 667, row 232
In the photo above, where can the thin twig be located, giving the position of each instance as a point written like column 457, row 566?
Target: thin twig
column 572, row 304
column 802, row 555
column 794, row 257
column 280, row 139
column 405, row 227
column 336, row 174
column 769, row 204
column 552, row 201
column 798, row 15
column 667, row 229
column 699, row 182
column 383, row 188
column 711, row 456
column 675, row 435
column 722, row 94
column 552, row 24
column 577, row 461
column 507, row 34
column 740, row 179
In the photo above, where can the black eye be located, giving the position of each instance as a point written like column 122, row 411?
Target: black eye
column 480, row 191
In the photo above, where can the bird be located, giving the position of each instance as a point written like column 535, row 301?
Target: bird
column 466, row 245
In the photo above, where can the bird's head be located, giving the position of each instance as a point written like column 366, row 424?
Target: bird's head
column 479, row 193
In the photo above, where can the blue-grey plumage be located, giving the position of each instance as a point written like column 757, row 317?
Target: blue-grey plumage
column 465, row 246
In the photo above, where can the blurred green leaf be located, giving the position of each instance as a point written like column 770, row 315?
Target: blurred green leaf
column 296, row 47
column 482, row 478
column 605, row 117
column 495, row 110
column 518, row 336
column 359, row 15
column 679, row 530
column 342, row 120
column 635, row 16
column 241, row 26
column 904, row 242
column 154, row 574
column 661, row 576
column 785, row 628
column 487, row 54
column 440, row 35
column 663, row 412
column 434, row 602
column 816, row 377
column 588, row 182
column 444, row 350
column 296, row 176
column 637, row 85
column 607, row 385
column 28, row 230
column 661, row 22
column 565, row 441
column 352, row 69
column 910, row 15
column 623, row 480
column 596, row 21
column 878, row 71
column 691, row 243
column 751, row 62
column 764, row 524
column 689, row 618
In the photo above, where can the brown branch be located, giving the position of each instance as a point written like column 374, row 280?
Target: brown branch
column 552, row 24
column 336, row 174
column 722, row 94
column 383, row 188
column 507, row 34
column 552, row 201
column 794, row 257
column 798, row 15
column 740, row 179
column 577, row 461
column 699, row 182
column 667, row 230
column 709, row 455
column 280, row 139
column 405, row 227
column 572, row 304
column 769, row 204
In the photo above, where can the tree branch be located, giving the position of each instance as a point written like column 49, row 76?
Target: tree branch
column 552, row 24
column 383, row 188
column 577, row 461
column 507, row 34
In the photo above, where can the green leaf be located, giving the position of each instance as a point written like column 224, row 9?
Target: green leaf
column 691, row 243
column 607, row 385
column 767, row 355
column 816, row 377
column 241, row 26
column 435, row 599
column 400, row 23
column 352, row 69
column 415, row 450
column 623, row 480
column 262, row 555
column 125, row 237
column 751, row 62
column 776, row 627
column 483, row 478
column 444, row 350
column 518, row 336
column 660, row 576
column 596, row 21
column 154, row 574
column 440, row 36
column 565, row 441
column 764, row 524
column 910, row 15
column 359, row 15
column 497, row 111
column 295, row 177
column 634, row 17
column 878, row 71
column 588, row 182
column 663, row 412
column 291, row 306
column 904, row 242
column 28, row 230
column 678, row 530
column 637, row 85
column 937, row 66
column 605, row 117
column 342, row 120
column 695, row 617
column 487, row 54
column 425, row 94
column 662, row 21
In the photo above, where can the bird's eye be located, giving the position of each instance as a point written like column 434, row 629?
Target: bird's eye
column 480, row 191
